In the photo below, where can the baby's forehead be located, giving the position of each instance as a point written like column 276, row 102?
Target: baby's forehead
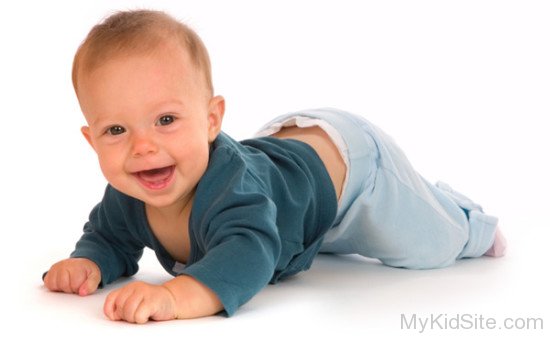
column 168, row 51
column 134, row 82
column 95, row 58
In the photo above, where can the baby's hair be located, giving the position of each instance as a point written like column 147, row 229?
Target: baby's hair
column 134, row 32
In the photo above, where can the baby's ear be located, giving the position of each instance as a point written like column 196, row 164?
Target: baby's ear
column 86, row 133
column 216, row 110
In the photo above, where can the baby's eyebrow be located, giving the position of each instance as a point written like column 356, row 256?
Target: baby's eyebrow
column 167, row 103
column 97, row 120
column 103, row 122
column 162, row 106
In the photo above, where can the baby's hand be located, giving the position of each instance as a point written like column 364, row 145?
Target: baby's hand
column 138, row 302
column 73, row 275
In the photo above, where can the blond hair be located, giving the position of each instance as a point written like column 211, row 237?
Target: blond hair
column 135, row 32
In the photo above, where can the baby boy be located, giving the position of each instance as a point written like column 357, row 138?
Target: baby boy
column 225, row 217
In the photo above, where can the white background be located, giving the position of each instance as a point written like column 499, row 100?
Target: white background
column 463, row 86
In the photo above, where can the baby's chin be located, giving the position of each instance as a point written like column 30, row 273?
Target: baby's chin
column 169, row 200
column 160, row 202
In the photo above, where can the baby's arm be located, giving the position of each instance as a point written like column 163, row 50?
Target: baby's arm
column 180, row 298
column 240, row 253
column 73, row 275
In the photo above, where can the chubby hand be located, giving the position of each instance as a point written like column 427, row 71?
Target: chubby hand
column 138, row 302
column 73, row 275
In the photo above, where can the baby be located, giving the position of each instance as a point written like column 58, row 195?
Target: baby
column 225, row 217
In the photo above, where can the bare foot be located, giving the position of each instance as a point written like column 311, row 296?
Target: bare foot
column 499, row 246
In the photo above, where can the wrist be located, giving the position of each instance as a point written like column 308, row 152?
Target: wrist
column 191, row 298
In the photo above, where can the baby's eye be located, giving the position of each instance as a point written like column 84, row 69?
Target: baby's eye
column 166, row 120
column 115, row 130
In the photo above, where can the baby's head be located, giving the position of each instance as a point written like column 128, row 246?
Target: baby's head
column 144, row 84
column 137, row 33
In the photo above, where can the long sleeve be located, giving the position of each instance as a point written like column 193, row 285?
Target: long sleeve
column 240, row 248
column 108, row 241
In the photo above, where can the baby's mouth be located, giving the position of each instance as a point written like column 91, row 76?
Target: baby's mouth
column 157, row 178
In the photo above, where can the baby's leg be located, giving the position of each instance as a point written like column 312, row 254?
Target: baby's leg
column 403, row 220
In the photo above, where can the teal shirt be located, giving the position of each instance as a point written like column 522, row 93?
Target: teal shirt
column 259, row 214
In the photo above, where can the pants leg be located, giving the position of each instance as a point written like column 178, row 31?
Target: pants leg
column 395, row 215
column 389, row 212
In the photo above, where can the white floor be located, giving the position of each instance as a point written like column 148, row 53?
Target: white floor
column 340, row 297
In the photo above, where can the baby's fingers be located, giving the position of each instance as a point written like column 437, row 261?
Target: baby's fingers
column 119, row 303
column 50, row 281
column 131, row 303
column 143, row 312
column 58, row 281
column 90, row 284
column 73, row 275
column 109, row 308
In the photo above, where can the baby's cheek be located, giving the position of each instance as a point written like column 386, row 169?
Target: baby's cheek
column 200, row 162
column 112, row 169
column 194, row 153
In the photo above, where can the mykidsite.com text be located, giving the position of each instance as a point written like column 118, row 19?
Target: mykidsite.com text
column 466, row 321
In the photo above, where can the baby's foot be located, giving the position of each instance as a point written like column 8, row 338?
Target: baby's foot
column 499, row 246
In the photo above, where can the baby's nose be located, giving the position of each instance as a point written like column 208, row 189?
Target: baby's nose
column 143, row 145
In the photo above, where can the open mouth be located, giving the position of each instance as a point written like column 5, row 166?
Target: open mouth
column 155, row 179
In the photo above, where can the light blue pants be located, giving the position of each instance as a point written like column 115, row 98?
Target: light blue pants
column 390, row 212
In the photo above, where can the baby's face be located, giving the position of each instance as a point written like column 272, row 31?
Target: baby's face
column 150, row 121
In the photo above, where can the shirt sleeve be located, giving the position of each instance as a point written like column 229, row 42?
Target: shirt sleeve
column 240, row 247
column 108, row 241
